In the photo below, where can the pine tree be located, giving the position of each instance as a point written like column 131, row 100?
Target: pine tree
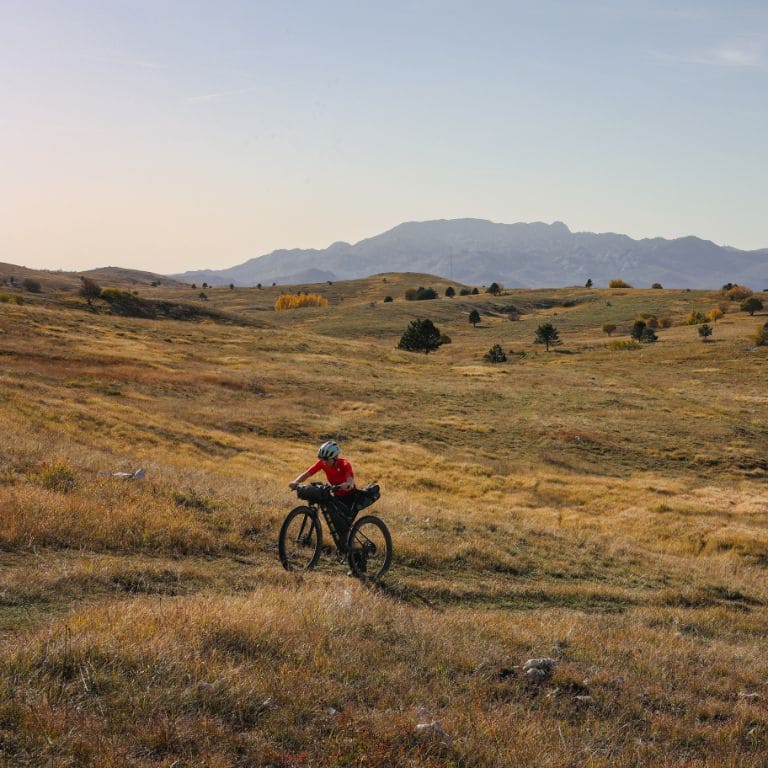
column 420, row 336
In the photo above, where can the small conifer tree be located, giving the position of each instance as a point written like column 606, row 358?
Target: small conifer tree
column 548, row 335
column 420, row 336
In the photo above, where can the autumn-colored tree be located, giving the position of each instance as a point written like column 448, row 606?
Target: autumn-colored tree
column 298, row 300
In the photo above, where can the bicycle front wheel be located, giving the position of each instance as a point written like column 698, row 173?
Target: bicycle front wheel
column 369, row 548
column 301, row 540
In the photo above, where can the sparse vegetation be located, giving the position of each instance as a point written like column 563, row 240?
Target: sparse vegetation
column 604, row 509
column 31, row 286
column 618, row 283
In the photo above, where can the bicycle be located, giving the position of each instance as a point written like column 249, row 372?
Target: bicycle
column 367, row 547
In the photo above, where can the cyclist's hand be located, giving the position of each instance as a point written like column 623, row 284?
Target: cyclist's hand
column 293, row 486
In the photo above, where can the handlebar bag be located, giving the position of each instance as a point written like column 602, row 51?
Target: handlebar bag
column 314, row 493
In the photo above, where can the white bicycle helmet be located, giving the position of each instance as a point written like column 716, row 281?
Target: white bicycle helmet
column 329, row 450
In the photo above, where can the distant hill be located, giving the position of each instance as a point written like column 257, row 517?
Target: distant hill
column 479, row 252
column 69, row 281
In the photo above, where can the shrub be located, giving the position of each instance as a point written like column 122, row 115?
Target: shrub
column 621, row 345
column 548, row 335
column 450, row 292
column 420, row 294
column 444, row 339
column 475, row 292
column 617, row 283
column 695, row 317
column 387, row 299
column 474, row 317
column 420, row 336
column 588, row 284
column 643, row 332
column 738, row 292
column 705, row 331
column 11, row 298
column 495, row 355
column 657, row 286
column 299, row 300
column 30, row 285
column 665, row 322
column 494, row 289
column 761, row 336
column 751, row 304
column 58, row 476
column 203, row 296
column 714, row 314
column 89, row 289
column 465, row 291
column 650, row 320
column 609, row 328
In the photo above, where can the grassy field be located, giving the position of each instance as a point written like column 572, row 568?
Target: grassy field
column 603, row 507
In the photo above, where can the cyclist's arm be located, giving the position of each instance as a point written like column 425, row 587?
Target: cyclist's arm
column 304, row 475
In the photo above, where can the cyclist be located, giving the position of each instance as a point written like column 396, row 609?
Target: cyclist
column 340, row 475
column 338, row 471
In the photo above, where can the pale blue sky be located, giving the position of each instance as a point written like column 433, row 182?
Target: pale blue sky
column 169, row 135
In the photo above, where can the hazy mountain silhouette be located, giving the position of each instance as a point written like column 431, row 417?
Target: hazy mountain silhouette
column 479, row 252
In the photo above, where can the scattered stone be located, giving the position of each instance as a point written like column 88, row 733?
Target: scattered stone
column 745, row 695
column 583, row 699
column 545, row 665
column 434, row 730
column 137, row 475
column 535, row 676
column 331, row 712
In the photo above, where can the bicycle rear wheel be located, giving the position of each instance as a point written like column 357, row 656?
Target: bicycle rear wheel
column 300, row 540
column 369, row 548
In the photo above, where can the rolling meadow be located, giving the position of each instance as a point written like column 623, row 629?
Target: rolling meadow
column 602, row 504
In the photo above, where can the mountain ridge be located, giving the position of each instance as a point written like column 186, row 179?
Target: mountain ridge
column 518, row 255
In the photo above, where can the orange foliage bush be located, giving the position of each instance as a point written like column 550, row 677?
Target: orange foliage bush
column 297, row 300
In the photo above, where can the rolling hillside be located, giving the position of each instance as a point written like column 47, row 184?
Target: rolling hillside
column 602, row 505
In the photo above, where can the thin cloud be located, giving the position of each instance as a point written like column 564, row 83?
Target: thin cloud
column 744, row 54
column 210, row 98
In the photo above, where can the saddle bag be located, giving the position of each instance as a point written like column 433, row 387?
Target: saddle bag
column 366, row 496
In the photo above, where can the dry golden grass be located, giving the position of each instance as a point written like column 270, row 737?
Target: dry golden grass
column 604, row 507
